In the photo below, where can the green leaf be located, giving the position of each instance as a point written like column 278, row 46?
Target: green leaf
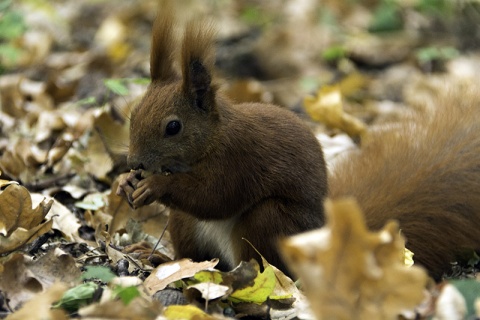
column 88, row 100
column 386, row 18
column 12, row 25
column 262, row 288
column 333, row 53
column 117, row 86
column 429, row 54
column 436, row 7
column 126, row 294
column 9, row 54
column 102, row 273
column 470, row 290
column 77, row 297
column 255, row 16
column 141, row 81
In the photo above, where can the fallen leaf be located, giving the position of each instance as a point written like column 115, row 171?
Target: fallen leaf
column 98, row 163
column 170, row 272
column 327, row 107
column 64, row 220
column 349, row 272
column 16, row 210
column 39, row 307
column 22, row 278
column 77, row 297
column 186, row 312
column 210, row 291
column 138, row 309
column 262, row 288
column 19, row 222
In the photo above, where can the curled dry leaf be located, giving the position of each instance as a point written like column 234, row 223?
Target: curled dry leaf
column 19, row 222
column 64, row 220
column 327, row 107
column 42, row 306
column 351, row 273
column 173, row 271
column 23, row 278
column 210, row 291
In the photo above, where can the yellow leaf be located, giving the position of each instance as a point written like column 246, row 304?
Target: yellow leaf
column 209, row 276
column 408, row 257
column 327, row 107
column 185, row 312
column 262, row 288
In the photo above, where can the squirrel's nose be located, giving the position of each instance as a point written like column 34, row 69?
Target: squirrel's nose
column 134, row 163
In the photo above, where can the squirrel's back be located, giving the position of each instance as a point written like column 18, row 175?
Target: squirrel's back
column 426, row 175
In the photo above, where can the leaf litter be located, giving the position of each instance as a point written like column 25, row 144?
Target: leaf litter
column 66, row 93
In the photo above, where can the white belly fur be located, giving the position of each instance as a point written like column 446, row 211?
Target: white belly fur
column 215, row 236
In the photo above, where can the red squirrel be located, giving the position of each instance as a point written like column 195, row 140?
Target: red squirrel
column 227, row 171
column 255, row 171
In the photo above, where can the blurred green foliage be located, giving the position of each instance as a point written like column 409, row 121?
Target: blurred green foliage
column 429, row 54
column 12, row 27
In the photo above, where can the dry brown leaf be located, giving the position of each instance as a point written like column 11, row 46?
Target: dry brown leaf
column 22, row 278
column 21, row 236
column 40, row 307
column 4, row 183
column 12, row 164
column 99, row 163
column 16, row 281
column 115, row 135
column 351, row 273
column 10, row 95
column 19, row 222
column 64, row 220
column 16, row 209
column 47, row 123
column 172, row 271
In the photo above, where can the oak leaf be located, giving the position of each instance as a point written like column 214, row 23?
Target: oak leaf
column 19, row 222
column 351, row 273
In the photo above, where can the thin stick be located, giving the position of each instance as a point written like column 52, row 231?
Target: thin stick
column 159, row 239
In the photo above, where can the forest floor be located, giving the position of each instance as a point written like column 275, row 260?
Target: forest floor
column 72, row 71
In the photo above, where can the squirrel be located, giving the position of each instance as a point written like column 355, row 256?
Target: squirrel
column 253, row 171
column 228, row 172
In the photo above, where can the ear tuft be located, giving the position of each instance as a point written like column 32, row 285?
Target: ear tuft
column 162, row 52
column 198, row 58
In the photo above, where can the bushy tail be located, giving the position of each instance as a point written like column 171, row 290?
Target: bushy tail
column 426, row 175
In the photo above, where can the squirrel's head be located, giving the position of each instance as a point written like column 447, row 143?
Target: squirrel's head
column 173, row 124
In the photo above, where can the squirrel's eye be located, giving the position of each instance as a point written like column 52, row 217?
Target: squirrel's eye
column 173, row 127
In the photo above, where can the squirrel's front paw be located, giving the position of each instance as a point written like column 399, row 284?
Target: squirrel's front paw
column 127, row 183
column 148, row 190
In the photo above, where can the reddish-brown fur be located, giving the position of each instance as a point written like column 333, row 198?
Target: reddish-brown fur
column 254, row 169
column 426, row 175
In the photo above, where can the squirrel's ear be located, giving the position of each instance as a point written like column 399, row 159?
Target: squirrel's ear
column 197, row 63
column 163, row 44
